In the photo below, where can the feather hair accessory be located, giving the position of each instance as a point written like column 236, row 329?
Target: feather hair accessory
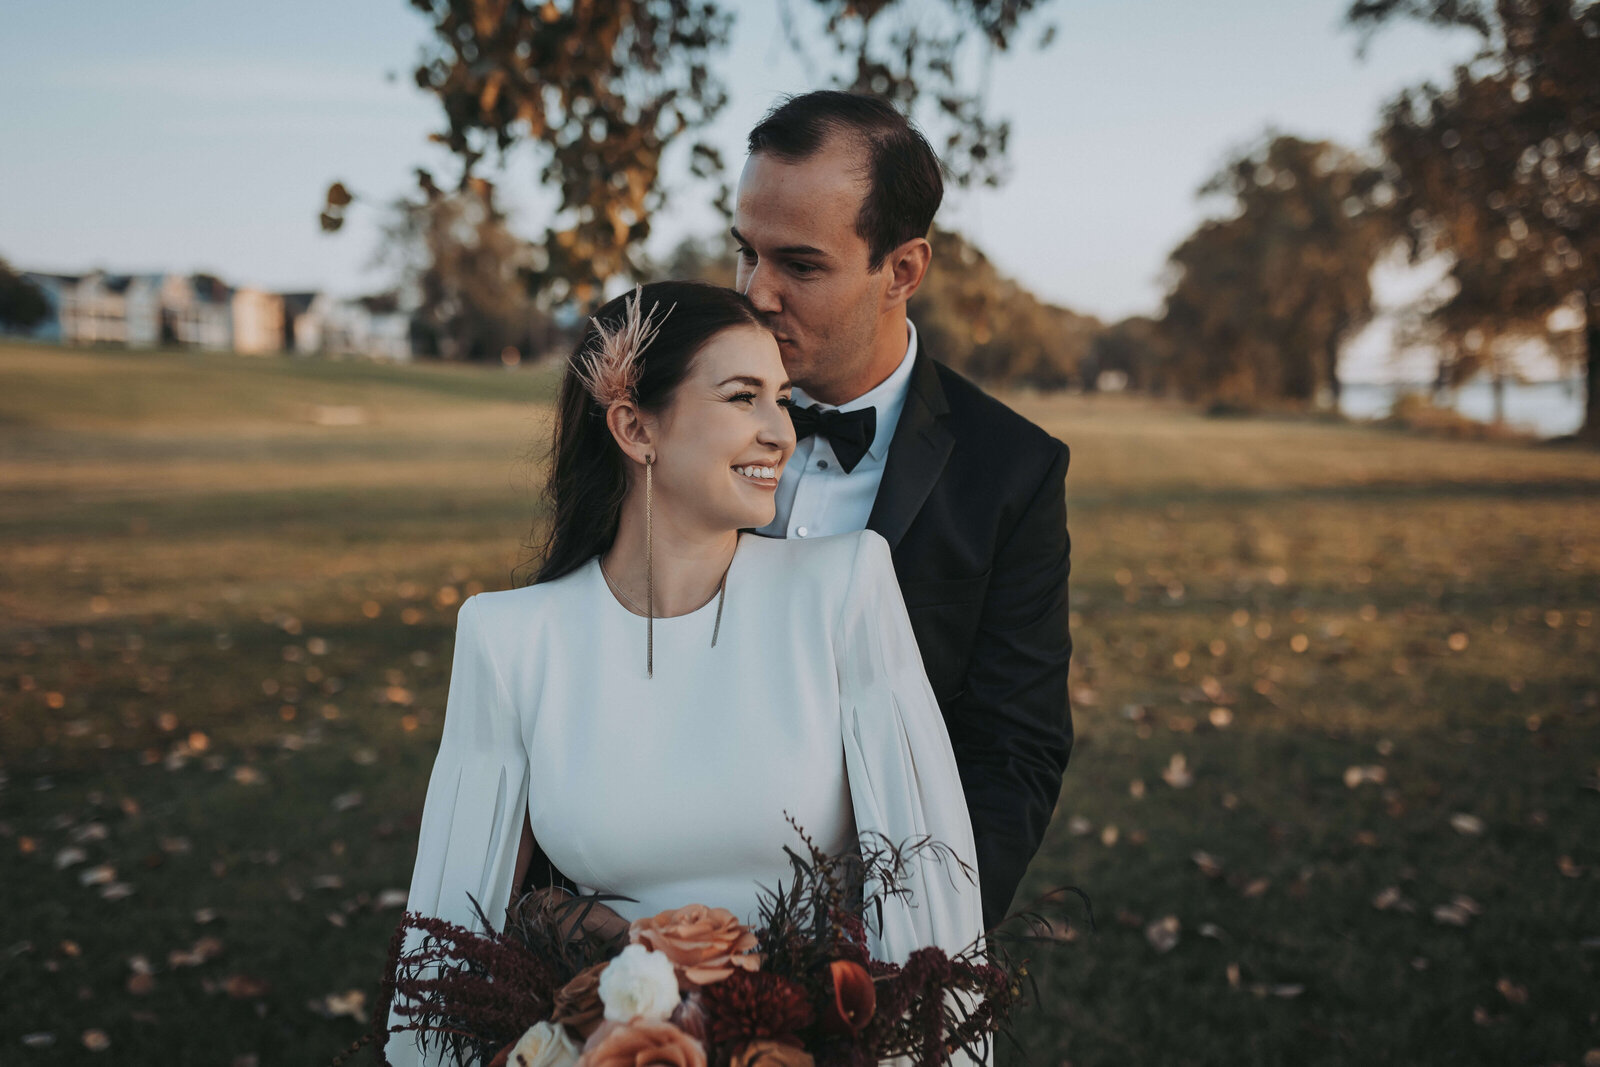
column 609, row 369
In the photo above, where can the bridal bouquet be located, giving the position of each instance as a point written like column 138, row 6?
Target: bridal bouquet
column 693, row 987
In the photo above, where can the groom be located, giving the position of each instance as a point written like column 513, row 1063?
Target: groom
column 831, row 221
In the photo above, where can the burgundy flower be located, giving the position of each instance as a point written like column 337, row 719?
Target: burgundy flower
column 854, row 1001
column 755, row 1005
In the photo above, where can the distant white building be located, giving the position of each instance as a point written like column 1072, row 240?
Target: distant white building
column 202, row 311
column 95, row 311
column 257, row 322
column 197, row 312
column 369, row 326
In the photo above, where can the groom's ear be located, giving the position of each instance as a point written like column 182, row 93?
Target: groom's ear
column 633, row 431
column 906, row 266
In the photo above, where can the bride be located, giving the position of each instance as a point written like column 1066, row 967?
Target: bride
column 671, row 688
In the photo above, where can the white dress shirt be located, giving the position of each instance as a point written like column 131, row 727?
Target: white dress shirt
column 816, row 497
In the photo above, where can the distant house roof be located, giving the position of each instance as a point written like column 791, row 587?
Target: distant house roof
column 210, row 288
column 297, row 303
column 380, row 303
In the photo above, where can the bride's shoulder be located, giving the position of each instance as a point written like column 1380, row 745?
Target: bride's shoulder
column 503, row 607
column 830, row 560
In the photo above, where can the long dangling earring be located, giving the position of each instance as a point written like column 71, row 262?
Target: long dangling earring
column 649, row 568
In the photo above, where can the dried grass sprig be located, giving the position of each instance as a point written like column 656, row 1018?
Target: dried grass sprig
column 609, row 367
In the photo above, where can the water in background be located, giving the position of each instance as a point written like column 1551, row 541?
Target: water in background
column 1549, row 409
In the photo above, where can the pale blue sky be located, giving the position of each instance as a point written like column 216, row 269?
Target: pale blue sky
column 186, row 135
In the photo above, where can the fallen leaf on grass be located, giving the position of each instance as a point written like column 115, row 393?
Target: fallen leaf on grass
column 1109, row 835
column 1213, row 931
column 247, row 775
column 96, row 1040
column 391, row 898
column 98, row 875
column 1375, row 773
column 141, row 984
column 203, row 950
column 1463, row 823
column 1391, row 897
column 1209, row 865
column 346, row 801
column 352, row 1003
column 1285, row 990
column 245, row 986
column 1256, row 888
column 1458, row 912
column 1177, row 773
column 327, row 881
column 1592, row 1058
column 1163, row 934
column 1568, row 868
column 69, row 857
column 39, row 1039
column 1078, row 826
column 116, row 891
column 1513, row 992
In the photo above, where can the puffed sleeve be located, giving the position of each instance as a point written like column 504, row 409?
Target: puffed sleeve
column 904, row 783
column 472, row 817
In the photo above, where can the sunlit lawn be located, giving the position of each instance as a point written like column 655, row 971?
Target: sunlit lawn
column 1336, row 696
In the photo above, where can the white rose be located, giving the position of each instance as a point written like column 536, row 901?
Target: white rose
column 544, row 1045
column 639, row 984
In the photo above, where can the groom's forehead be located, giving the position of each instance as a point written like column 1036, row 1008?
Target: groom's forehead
column 783, row 202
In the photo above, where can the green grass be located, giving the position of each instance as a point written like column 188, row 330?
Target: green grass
column 224, row 646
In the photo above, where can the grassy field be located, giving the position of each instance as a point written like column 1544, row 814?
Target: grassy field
column 1335, row 795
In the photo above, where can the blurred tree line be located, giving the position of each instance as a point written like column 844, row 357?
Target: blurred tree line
column 1496, row 173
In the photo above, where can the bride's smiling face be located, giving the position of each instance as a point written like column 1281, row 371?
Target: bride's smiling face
column 722, row 440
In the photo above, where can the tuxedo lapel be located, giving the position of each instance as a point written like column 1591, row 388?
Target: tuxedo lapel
column 917, row 454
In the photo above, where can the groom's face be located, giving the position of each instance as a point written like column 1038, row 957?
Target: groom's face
column 802, row 262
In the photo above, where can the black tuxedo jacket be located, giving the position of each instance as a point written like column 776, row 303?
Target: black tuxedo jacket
column 973, row 504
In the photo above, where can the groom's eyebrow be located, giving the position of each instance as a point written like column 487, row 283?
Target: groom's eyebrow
column 786, row 250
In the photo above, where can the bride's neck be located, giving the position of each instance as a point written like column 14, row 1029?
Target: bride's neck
column 689, row 563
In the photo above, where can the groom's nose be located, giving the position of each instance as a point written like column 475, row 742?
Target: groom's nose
column 762, row 293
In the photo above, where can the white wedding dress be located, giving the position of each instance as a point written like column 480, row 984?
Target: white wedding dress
column 673, row 790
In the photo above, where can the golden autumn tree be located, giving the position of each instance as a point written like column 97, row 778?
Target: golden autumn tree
column 602, row 91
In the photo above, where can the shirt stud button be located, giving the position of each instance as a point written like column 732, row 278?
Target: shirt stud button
column 800, row 532
column 822, row 464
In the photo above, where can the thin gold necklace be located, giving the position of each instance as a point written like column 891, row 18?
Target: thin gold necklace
column 722, row 596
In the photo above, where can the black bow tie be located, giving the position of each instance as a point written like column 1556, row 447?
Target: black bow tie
column 849, row 432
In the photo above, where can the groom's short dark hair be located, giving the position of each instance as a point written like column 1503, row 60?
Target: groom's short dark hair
column 904, row 183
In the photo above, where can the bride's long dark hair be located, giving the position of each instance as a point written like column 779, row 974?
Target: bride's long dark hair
column 588, row 473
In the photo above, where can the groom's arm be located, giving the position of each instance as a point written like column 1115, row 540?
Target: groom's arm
column 1011, row 727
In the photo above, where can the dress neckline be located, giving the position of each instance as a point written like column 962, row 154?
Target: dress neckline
column 606, row 592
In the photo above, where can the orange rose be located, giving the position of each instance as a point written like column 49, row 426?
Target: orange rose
column 704, row 944
column 642, row 1044
column 577, row 1004
column 771, row 1054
